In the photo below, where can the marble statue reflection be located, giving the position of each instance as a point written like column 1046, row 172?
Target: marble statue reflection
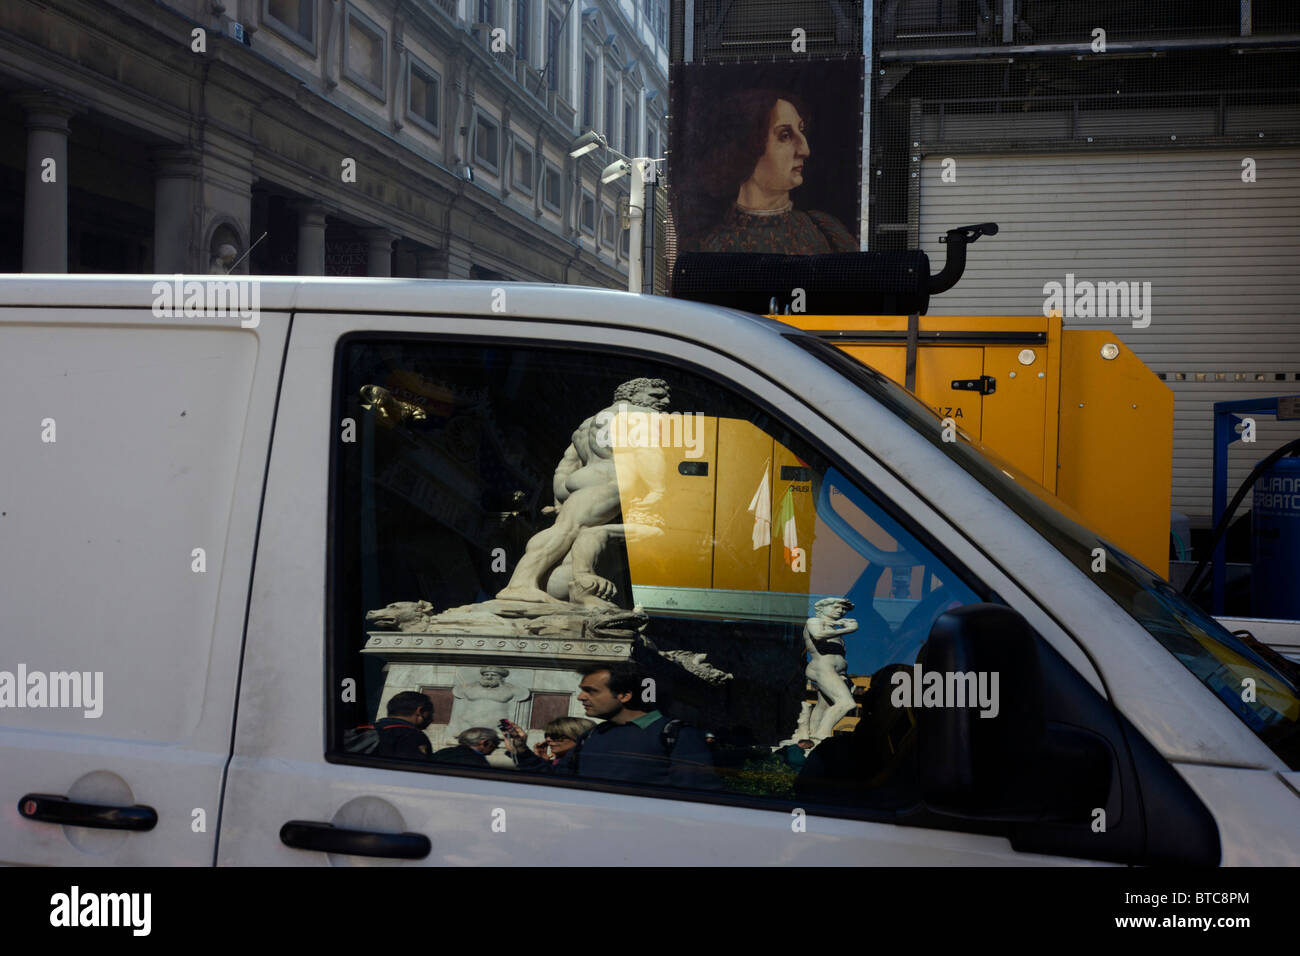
column 823, row 638
column 559, row 563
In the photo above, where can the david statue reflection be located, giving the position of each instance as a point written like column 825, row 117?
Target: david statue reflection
column 823, row 637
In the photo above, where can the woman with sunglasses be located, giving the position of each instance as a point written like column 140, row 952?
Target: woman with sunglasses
column 560, row 737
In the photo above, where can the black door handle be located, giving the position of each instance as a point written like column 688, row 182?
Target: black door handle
column 52, row 808
column 327, row 838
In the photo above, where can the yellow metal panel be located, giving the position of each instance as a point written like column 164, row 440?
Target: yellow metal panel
column 669, row 538
column 1024, row 429
column 937, row 367
column 744, row 459
column 1014, row 415
column 889, row 360
column 1116, row 445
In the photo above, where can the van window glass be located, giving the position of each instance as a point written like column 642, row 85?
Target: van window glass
column 508, row 518
column 1259, row 686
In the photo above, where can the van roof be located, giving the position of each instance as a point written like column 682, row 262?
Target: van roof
column 366, row 295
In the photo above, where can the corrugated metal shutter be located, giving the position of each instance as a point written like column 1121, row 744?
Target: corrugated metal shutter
column 1222, row 257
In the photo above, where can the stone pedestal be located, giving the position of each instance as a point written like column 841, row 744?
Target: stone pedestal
column 437, row 662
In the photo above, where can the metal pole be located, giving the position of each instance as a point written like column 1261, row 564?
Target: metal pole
column 635, row 216
column 1223, row 437
column 868, row 70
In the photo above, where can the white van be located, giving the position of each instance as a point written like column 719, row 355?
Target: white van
column 231, row 534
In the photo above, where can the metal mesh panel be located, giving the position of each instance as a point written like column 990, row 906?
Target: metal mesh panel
column 961, row 77
column 957, row 23
column 751, row 29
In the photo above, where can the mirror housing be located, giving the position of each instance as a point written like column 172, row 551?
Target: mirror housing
column 996, row 757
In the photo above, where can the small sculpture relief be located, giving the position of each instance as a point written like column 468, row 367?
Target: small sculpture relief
column 388, row 409
column 697, row 664
column 402, row 616
column 223, row 258
column 510, row 619
column 483, row 697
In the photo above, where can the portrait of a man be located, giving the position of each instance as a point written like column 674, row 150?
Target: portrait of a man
column 766, row 157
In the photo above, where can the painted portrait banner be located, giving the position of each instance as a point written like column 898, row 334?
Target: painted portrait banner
column 766, row 157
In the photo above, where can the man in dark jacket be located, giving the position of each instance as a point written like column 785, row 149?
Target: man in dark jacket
column 636, row 743
column 401, row 733
column 473, row 748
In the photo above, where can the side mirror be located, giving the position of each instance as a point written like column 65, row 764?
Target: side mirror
column 984, row 747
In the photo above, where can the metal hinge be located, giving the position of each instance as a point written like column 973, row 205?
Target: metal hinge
column 985, row 384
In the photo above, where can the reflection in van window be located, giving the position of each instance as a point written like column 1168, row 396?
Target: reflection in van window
column 598, row 567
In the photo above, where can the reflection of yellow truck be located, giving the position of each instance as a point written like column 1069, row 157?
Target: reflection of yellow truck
column 718, row 531
column 1073, row 409
column 739, row 526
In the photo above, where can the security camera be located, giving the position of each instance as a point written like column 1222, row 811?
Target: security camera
column 615, row 170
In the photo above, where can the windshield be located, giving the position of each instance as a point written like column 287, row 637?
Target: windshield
column 1263, row 693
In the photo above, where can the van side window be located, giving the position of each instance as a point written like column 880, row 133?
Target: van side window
column 597, row 566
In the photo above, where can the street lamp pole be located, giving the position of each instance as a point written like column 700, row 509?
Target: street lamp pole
column 622, row 166
column 636, row 221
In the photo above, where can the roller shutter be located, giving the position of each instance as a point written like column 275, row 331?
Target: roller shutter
column 1222, row 257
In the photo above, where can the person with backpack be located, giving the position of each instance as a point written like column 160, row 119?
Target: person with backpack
column 400, row 734
column 634, row 743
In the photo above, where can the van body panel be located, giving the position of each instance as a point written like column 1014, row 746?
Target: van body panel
column 160, row 432
column 1257, row 812
column 111, row 527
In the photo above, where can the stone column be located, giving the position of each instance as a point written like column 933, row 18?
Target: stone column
column 379, row 251
column 175, row 245
column 45, row 200
column 431, row 264
column 311, row 238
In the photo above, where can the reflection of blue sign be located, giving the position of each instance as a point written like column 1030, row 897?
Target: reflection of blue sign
column 891, row 630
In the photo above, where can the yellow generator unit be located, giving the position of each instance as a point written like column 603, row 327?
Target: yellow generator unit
column 1073, row 409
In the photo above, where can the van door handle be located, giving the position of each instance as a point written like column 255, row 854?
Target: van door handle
column 327, row 838
column 53, row 808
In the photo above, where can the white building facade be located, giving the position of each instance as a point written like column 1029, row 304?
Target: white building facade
column 339, row 137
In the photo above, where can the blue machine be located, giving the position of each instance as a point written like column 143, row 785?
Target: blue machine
column 1280, row 563
column 1275, row 542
